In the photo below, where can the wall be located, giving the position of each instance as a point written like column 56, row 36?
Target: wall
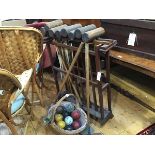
column 83, row 21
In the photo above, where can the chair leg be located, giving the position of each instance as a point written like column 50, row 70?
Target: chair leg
column 38, row 91
column 35, row 88
column 32, row 90
column 28, row 108
column 27, row 99
column 39, row 94
column 12, row 128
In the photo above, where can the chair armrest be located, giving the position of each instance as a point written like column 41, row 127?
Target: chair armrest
column 12, row 77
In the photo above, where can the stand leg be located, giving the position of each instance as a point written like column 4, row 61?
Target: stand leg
column 98, row 69
column 108, row 80
column 56, row 80
column 109, row 97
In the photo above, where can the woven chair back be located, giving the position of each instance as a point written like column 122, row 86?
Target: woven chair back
column 20, row 48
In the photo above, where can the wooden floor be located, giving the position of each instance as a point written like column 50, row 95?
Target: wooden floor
column 129, row 117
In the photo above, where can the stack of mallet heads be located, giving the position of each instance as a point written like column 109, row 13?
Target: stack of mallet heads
column 93, row 34
column 49, row 25
column 58, row 30
column 80, row 31
column 66, row 30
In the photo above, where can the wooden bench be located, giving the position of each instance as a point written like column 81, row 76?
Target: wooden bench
column 135, row 62
column 131, row 83
column 139, row 58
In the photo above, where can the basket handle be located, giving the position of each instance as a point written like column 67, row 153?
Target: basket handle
column 66, row 96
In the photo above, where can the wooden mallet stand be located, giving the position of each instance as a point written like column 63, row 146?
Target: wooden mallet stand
column 77, row 74
column 74, row 72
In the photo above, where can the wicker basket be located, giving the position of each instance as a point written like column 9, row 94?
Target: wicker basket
column 83, row 118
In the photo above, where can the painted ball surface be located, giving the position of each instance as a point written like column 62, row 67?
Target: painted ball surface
column 68, row 106
column 61, row 124
column 76, row 125
column 65, row 114
column 58, row 117
column 76, row 114
column 69, row 127
column 59, row 110
column 68, row 120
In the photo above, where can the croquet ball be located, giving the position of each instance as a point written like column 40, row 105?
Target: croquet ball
column 75, row 114
column 68, row 120
column 69, row 127
column 71, row 99
column 61, row 124
column 65, row 114
column 68, row 106
column 59, row 110
column 58, row 117
column 76, row 125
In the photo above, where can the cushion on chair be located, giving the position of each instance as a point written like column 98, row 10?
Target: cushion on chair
column 25, row 77
column 17, row 104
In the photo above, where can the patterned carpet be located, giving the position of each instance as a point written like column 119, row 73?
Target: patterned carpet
column 150, row 130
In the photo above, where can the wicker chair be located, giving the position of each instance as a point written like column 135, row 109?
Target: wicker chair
column 11, row 101
column 20, row 50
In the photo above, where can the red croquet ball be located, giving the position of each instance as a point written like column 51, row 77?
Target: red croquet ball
column 75, row 114
column 76, row 125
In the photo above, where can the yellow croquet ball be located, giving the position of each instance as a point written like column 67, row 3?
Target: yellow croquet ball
column 58, row 117
column 61, row 124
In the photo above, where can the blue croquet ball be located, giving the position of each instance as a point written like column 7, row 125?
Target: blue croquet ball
column 65, row 114
column 69, row 127
column 59, row 110
column 68, row 106
column 68, row 120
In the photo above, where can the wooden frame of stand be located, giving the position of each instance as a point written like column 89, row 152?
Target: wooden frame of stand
column 96, row 111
